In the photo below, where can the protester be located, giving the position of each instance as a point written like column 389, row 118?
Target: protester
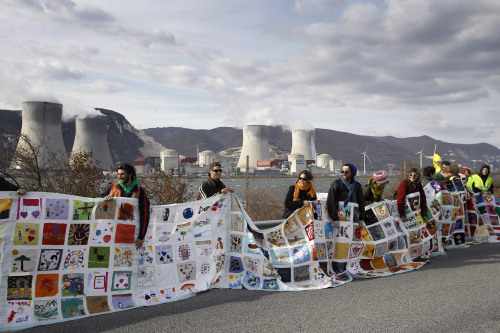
column 439, row 175
column 128, row 186
column 345, row 189
column 213, row 185
column 466, row 173
column 5, row 185
column 300, row 194
column 449, row 172
column 409, row 185
column 428, row 174
column 482, row 181
column 375, row 188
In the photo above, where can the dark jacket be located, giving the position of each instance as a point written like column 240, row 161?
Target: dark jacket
column 116, row 190
column 290, row 205
column 206, row 190
column 5, row 185
column 338, row 192
column 407, row 187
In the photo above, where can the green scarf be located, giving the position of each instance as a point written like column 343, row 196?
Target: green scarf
column 129, row 188
column 376, row 190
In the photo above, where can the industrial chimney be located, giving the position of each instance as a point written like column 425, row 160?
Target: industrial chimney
column 255, row 145
column 41, row 128
column 91, row 136
column 303, row 143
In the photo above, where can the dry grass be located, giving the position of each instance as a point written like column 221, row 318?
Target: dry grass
column 264, row 205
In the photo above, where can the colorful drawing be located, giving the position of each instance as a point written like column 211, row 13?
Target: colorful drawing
column 301, row 254
column 79, row 234
column 19, row 287
column 236, row 242
column 279, row 256
column 97, row 283
column 123, row 256
column 5, row 205
column 49, row 259
column 82, row 210
column 72, row 307
column 26, row 233
column 75, row 259
column 19, row 312
column 125, row 233
column 186, row 271
column 97, row 304
column 102, row 233
column 46, row 285
column 235, row 265
column 105, row 210
column 98, row 257
column 123, row 301
column 29, row 209
column 23, row 260
column 165, row 254
column 121, row 281
column 54, row 233
column 146, row 276
column 57, row 209
column 72, row 284
column 126, row 212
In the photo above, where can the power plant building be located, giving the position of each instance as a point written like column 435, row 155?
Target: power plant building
column 303, row 143
column 255, row 146
column 169, row 160
column 206, row 157
column 41, row 127
column 91, row 136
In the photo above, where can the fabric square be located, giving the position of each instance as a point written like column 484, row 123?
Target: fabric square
column 72, row 307
column 54, row 233
column 72, row 284
column 46, row 285
column 125, row 233
column 82, row 210
column 29, row 208
column 98, row 257
column 164, row 254
column 50, row 259
column 19, row 287
column 23, row 260
column 26, row 233
column 78, row 234
column 75, row 259
column 121, row 281
column 124, row 301
column 123, row 256
column 46, row 310
column 102, row 233
column 105, row 210
column 97, row 304
column 57, row 209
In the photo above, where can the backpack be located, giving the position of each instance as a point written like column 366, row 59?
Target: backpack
column 395, row 196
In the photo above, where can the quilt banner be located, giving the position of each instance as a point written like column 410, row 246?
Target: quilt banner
column 64, row 257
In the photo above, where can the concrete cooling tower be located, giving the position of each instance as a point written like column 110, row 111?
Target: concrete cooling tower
column 255, row 145
column 91, row 136
column 42, row 128
column 303, row 143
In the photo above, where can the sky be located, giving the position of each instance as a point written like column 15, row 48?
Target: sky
column 403, row 68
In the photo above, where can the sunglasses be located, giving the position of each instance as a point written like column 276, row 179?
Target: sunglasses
column 217, row 170
column 345, row 172
column 304, row 179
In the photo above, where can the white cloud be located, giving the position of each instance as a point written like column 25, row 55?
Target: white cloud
column 102, row 86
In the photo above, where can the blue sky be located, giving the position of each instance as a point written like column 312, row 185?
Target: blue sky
column 402, row 68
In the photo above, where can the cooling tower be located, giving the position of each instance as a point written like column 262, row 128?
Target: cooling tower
column 41, row 128
column 303, row 143
column 91, row 136
column 255, row 145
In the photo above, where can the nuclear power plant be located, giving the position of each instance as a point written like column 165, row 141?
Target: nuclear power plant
column 91, row 136
column 255, row 145
column 41, row 127
column 303, row 144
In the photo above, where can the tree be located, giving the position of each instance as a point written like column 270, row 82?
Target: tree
column 164, row 189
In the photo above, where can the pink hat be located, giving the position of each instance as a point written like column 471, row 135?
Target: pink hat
column 380, row 177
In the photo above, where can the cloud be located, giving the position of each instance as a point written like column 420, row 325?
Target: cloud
column 102, row 86
column 56, row 70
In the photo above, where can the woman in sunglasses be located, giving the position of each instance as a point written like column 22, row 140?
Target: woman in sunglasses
column 213, row 185
column 300, row 194
column 411, row 184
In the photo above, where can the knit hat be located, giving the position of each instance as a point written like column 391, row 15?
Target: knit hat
column 465, row 169
column 354, row 171
column 380, row 177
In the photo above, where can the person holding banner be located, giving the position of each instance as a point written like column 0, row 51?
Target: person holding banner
column 375, row 188
column 300, row 194
column 428, row 174
column 411, row 184
column 213, row 185
column 466, row 173
column 5, row 185
column 345, row 189
column 128, row 186
column 438, row 175
column 482, row 181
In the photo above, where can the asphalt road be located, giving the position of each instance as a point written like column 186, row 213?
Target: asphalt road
column 457, row 292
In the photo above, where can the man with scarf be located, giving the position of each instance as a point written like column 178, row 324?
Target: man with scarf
column 411, row 184
column 482, row 181
column 128, row 186
column 300, row 194
column 345, row 189
column 213, row 185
